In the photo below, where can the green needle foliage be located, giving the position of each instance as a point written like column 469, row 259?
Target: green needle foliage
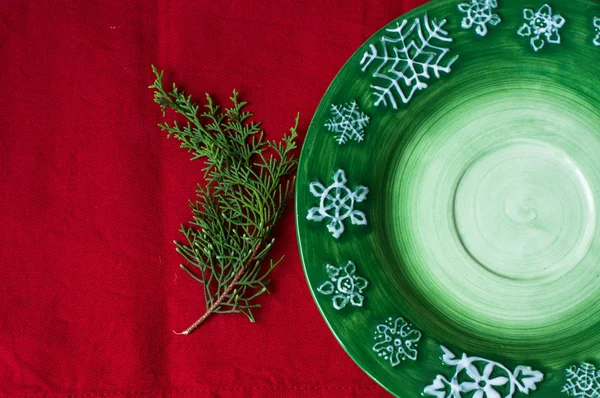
column 248, row 183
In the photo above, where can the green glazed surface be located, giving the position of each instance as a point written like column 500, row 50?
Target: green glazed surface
column 481, row 211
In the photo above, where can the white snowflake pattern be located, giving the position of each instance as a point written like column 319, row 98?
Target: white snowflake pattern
column 347, row 122
column 345, row 286
column 409, row 60
column 583, row 381
column 469, row 380
column 541, row 26
column 597, row 28
column 397, row 341
column 479, row 13
column 337, row 203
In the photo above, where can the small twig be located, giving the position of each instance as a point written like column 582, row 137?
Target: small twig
column 222, row 297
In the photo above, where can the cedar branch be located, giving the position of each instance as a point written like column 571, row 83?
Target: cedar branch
column 245, row 194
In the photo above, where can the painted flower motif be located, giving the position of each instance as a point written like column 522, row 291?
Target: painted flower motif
column 344, row 285
column 407, row 59
column 468, row 381
column 396, row 341
column 583, row 381
column 337, row 203
column 347, row 122
column 481, row 383
column 541, row 26
column 597, row 29
column 479, row 13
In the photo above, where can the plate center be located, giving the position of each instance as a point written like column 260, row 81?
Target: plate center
column 525, row 211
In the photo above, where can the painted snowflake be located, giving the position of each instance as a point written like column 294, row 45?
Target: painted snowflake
column 337, row 204
column 344, row 285
column 478, row 377
column 541, row 26
column 347, row 122
column 396, row 341
column 597, row 28
column 583, row 381
column 408, row 59
column 479, row 13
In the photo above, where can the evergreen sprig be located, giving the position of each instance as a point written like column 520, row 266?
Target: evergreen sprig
column 248, row 183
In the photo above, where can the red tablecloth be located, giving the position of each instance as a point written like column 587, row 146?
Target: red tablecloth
column 92, row 195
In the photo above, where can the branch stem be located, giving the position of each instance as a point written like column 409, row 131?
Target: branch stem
column 223, row 295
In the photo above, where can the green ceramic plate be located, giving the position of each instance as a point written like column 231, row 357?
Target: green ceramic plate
column 446, row 201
